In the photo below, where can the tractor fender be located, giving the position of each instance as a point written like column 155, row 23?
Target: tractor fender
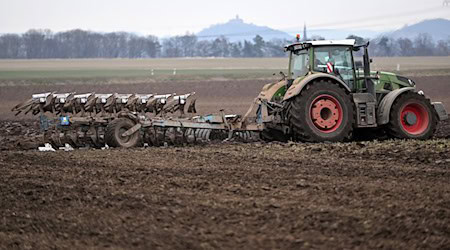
column 384, row 108
column 295, row 89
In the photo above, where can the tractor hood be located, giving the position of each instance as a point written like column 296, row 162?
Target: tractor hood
column 396, row 79
column 388, row 81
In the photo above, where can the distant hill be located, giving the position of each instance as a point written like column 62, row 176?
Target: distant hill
column 337, row 34
column 439, row 29
column 237, row 30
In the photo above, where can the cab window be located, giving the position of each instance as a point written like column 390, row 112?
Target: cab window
column 340, row 57
column 299, row 63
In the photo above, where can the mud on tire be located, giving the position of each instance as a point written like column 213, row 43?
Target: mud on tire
column 114, row 131
column 322, row 112
column 412, row 117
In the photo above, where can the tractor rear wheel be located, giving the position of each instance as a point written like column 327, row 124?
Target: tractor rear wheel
column 412, row 117
column 114, row 131
column 322, row 112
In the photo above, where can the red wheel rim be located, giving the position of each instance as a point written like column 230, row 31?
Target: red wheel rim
column 326, row 113
column 414, row 118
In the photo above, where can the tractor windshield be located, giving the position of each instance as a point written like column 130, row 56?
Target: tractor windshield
column 299, row 63
column 340, row 58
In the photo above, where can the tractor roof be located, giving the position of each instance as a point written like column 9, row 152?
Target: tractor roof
column 307, row 44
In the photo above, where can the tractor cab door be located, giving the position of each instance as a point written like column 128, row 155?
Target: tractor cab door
column 337, row 60
column 299, row 62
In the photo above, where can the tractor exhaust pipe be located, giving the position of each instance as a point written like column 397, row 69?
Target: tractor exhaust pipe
column 370, row 85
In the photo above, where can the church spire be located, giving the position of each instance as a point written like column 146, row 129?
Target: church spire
column 305, row 37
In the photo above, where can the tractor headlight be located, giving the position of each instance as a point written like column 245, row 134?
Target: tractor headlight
column 406, row 81
column 62, row 100
column 42, row 100
column 103, row 100
column 83, row 100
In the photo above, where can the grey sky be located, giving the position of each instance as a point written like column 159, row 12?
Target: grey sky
column 173, row 17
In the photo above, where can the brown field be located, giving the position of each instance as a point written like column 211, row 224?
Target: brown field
column 412, row 64
column 235, row 96
column 388, row 194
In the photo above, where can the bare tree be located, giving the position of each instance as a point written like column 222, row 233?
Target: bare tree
column 424, row 45
column 34, row 41
column 443, row 48
column 236, row 49
column 405, row 46
column 187, row 43
column 10, row 46
column 220, row 47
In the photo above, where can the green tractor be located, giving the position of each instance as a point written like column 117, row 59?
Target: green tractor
column 327, row 96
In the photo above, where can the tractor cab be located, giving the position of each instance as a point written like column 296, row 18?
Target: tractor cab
column 329, row 57
column 336, row 58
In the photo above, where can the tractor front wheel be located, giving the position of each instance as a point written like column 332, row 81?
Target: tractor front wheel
column 114, row 134
column 412, row 117
column 322, row 112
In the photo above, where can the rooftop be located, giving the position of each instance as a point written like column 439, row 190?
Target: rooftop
column 302, row 45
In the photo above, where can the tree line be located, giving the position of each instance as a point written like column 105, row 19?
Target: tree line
column 77, row 44
column 87, row 44
column 421, row 45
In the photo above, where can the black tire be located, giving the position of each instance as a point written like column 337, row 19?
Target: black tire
column 271, row 135
column 305, row 127
column 114, row 131
column 423, row 121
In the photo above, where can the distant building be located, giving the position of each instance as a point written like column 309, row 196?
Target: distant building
column 237, row 20
column 305, row 36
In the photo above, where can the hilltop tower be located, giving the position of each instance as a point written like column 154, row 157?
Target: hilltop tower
column 237, row 19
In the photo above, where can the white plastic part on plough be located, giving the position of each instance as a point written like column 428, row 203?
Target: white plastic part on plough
column 92, row 104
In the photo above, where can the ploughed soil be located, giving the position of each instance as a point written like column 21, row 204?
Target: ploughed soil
column 390, row 194
column 365, row 194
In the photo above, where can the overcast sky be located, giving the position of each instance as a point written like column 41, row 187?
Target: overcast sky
column 174, row 17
